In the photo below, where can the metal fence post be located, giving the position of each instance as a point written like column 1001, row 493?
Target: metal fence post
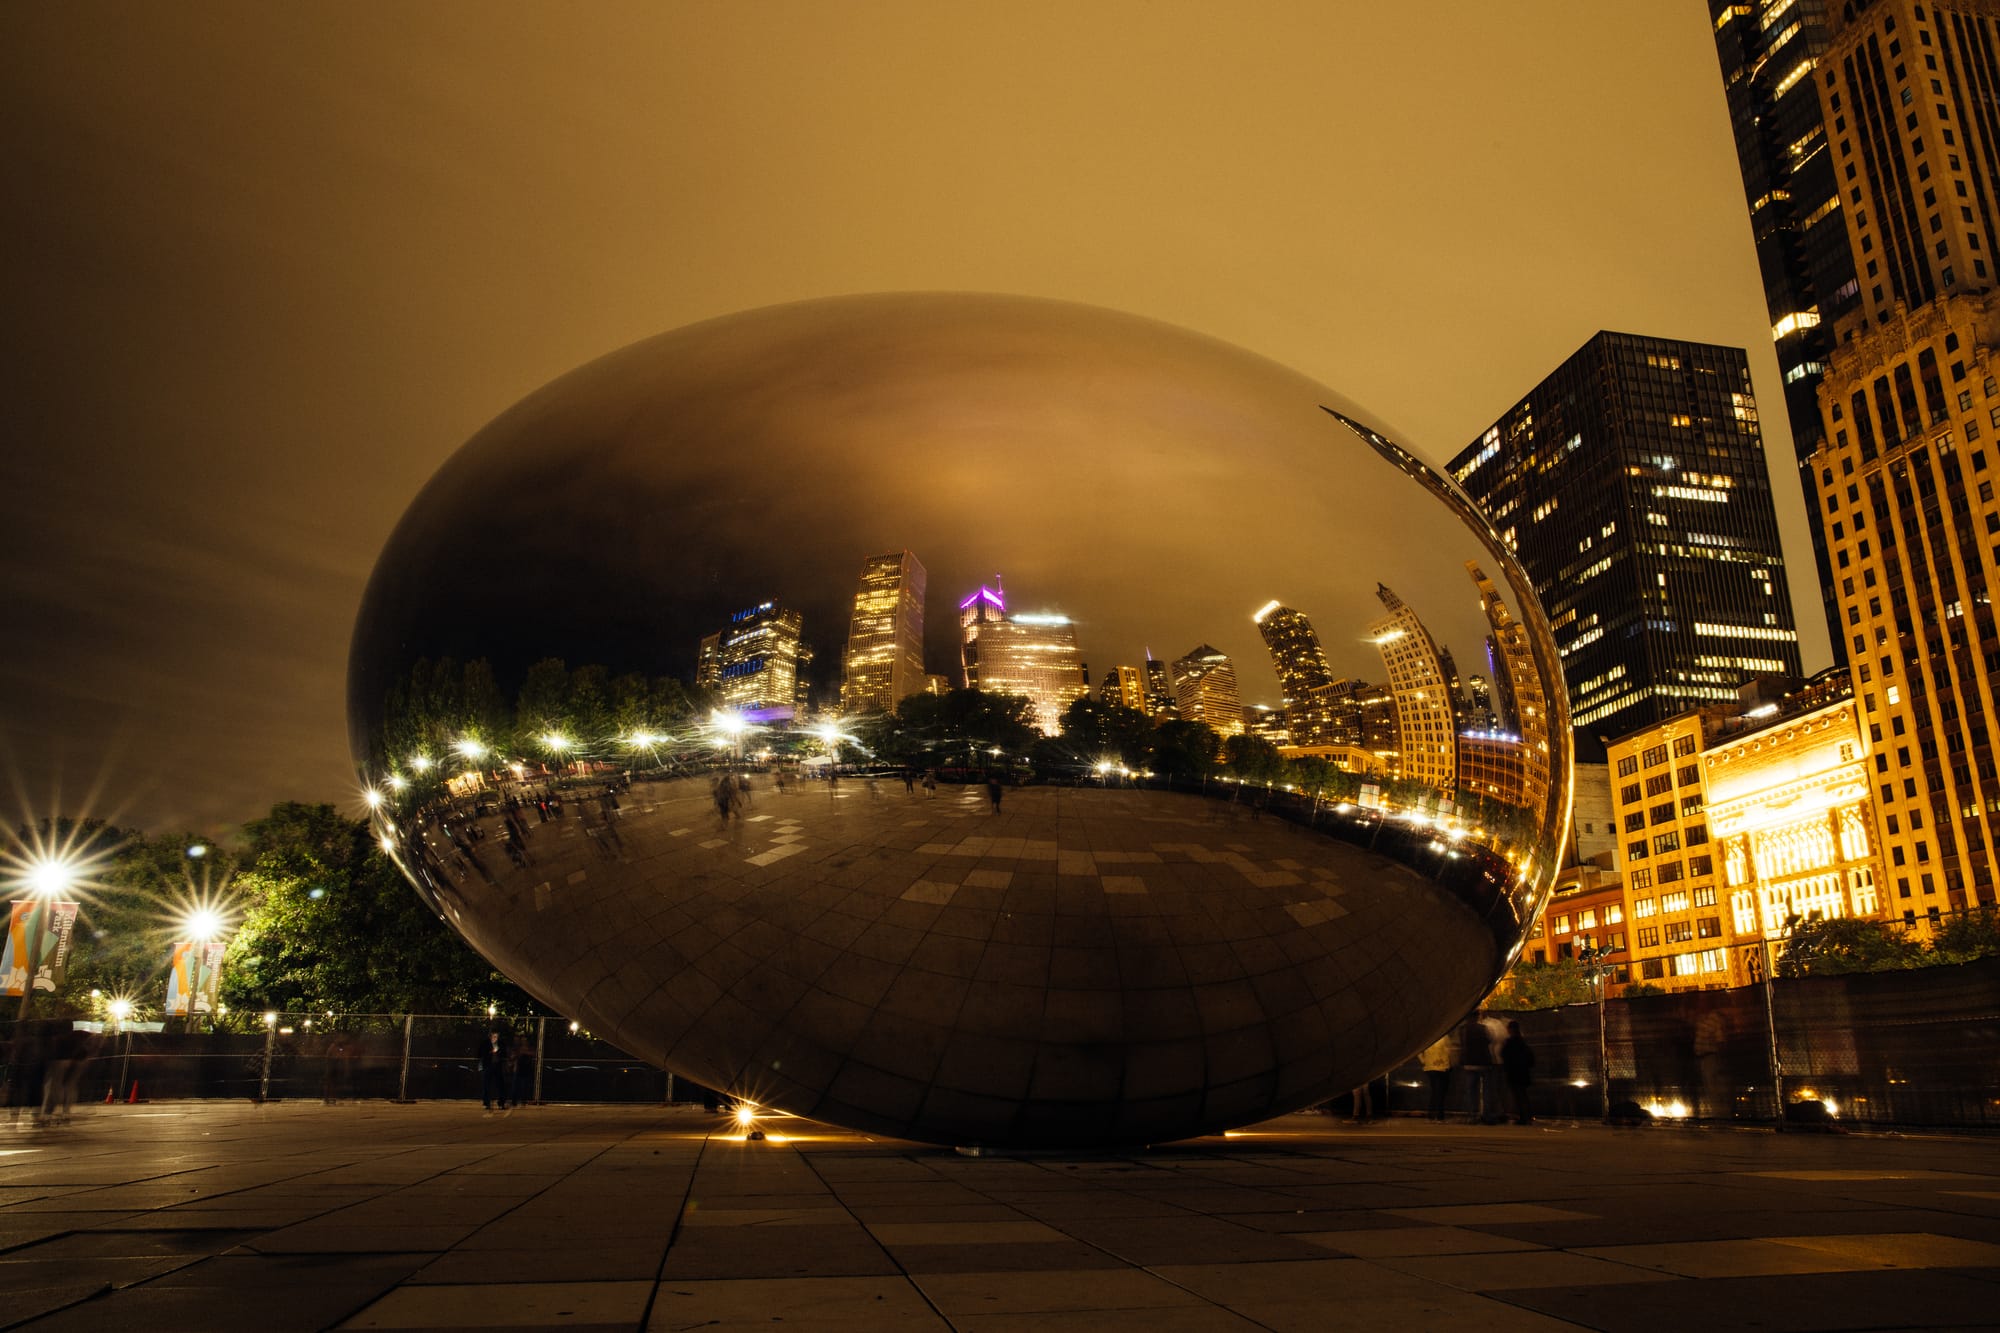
column 403, row 1079
column 264, row 1081
column 541, row 1034
column 670, row 1087
column 1771, row 1027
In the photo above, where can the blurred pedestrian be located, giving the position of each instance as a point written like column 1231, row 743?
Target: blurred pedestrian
column 1436, row 1061
column 1518, row 1059
column 930, row 783
column 1479, row 1039
column 993, row 792
column 524, row 1073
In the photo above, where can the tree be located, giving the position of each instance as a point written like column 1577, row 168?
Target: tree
column 1094, row 730
column 1185, row 750
column 1964, row 936
column 1533, row 985
column 331, row 924
column 1252, row 759
column 1820, row 946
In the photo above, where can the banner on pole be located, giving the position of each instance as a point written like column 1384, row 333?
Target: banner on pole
column 193, row 978
column 38, row 931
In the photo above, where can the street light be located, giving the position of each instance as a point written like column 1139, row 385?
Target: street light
column 44, row 878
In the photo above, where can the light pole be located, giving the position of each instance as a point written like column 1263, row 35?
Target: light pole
column 1592, row 956
column 45, row 878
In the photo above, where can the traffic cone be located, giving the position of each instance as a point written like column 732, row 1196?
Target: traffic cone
column 110, row 1095
column 132, row 1098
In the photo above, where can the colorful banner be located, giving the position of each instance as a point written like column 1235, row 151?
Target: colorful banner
column 52, row 924
column 193, row 977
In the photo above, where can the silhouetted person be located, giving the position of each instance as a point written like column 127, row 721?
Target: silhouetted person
column 1436, row 1062
column 910, row 781
column 1479, row 1051
column 1517, row 1058
column 494, row 1059
column 930, row 783
column 524, row 1074
column 993, row 792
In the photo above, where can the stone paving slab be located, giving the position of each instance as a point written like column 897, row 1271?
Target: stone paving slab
column 372, row 1216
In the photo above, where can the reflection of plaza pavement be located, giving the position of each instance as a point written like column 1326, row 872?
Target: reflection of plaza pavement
column 1119, row 962
column 374, row 1216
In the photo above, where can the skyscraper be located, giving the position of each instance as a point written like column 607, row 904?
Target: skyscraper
column 1160, row 701
column 1426, row 719
column 1035, row 656
column 1767, row 49
column 1632, row 484
column 885, row 639
column 983, row 607
column 758, row 660
column 1126, row 687
column 1304, row 678
column 1910, row 408
column 1528, row 716
column 1205, row 690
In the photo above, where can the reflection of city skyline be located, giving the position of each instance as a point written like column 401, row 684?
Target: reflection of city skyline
column 1414, row 718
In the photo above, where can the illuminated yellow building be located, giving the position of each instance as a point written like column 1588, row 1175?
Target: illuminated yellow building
column 1426, row 720
column 1126, row 687
column 1793, row 825
column 1035, row 656
column 1527, row 708
column 885, row 637
column 757, row 664
column 1734, row 819
column 1205, row 690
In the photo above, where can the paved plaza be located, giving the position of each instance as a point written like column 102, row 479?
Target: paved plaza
column 375, row 1216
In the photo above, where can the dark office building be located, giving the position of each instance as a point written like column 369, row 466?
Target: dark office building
column 1768, row 49
column 1632, row 484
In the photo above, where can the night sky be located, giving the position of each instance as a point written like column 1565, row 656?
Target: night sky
column 271, row 265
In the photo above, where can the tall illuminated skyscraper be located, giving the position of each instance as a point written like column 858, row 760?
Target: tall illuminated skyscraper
column 985, row 606
column 1768, row 49
column 1126, row 687
column 758, row 661
column 1160, row 701
column 885, row 639
column 1426, row 718
column 1632, row 484
column 1304, row 678
column 1528, row 707
column 1035, row 656
column 1205, row 690
column 1906, row 473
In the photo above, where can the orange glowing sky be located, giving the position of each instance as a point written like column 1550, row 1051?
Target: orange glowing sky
column 271, row 264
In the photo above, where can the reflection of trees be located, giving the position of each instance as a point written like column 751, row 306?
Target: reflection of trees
column 443, row 704
column 939, row 730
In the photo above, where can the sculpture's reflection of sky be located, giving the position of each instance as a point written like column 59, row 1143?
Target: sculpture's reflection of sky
column 279, row 263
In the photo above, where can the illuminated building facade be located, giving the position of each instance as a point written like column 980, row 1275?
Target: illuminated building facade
column 1586, row 911
column 1126, row 687
column 759, row 660
column 1736, row 818
column 1494, row 765
column 1426, row 715
column 1632, row 484
column 1910, row 414
column 1205, row 690
column 1035, row 656
column 885, row 638
column 1528, row 707
column 1794, row 826
column 1303, row 674
column 1160, row 701
column 1767, row 50
column 983, row 607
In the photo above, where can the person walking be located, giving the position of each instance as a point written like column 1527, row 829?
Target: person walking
column 1436, row 1061
column 1518, row 1059
column 494, row 1058
column 930, row 783
column 1479, row 1051
column 993, row 791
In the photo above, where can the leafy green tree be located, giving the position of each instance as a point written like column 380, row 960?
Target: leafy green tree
column 960, row 726
column 331, row 924
column 134, row 911
column 1532, row 985
column 1823, row 947
column 1185, row 751
column 1962, row 937
column 1252, row 759
column 1094, row 730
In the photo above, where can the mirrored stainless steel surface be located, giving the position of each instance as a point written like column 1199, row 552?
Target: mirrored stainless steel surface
column 660, row 692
